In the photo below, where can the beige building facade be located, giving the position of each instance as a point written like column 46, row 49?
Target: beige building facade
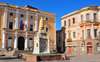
column 81, row 31
column 14, row 36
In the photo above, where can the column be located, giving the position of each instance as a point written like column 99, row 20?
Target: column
column 3, row 39
column 27, row 19
column 85, row 32
column 26, row 42
column 5, row 17
column 16, row 24
column 92, row 32
column 15, row 41
column 36, row 21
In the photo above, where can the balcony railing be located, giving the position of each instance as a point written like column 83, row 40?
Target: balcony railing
column 88, row 37
column 89, row 21
column 69, row 40
column 82, row 38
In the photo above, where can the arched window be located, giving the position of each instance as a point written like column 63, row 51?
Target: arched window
column 10, row 42
column 30, row 42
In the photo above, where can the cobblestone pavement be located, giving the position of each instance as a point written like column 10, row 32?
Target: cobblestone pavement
column 70, row 58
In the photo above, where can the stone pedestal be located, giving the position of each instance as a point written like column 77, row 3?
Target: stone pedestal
column 26, row 49
column 41, row 44
column 3, row 51
column 15, row 48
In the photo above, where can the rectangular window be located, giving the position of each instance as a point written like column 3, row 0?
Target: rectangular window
column 64, row 23
column 59, row 39
column 98, row 48
column 69, row 22
column 59, row 33
column 11, row 14
column 65, row 36
column 31, row 27
column 82, row 33
column 73, row 20
column 95, row 32
column 22, row 15
column 81, row 18
column 95, row 16
column 87, row 17
column 69, row 36
column 74, row 34
column 88, row 32
column 82, row 48
column 31, row 17
column 10, row 25
column 74, row 48
column 46, row 19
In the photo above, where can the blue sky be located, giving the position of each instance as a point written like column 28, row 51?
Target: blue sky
column 59, row 7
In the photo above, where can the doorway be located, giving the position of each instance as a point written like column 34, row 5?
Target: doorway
column 70, row 50
column 89, row 48
column 21, row 43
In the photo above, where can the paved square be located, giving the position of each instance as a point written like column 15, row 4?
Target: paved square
column 73, row 58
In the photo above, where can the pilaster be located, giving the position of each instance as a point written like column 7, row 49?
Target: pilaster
column 27, row 13
column 5, row 17
column 3, row 39
column 85, row 32
column 15, row 41
column 16, row 23
column 36, row 21
column 92, row 32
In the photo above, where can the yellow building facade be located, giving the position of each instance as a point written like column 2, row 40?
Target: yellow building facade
column 17, row 37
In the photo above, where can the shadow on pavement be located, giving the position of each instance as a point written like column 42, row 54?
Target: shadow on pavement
column 3, row 57
column 69, row 57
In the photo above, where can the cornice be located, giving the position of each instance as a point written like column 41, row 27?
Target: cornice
column 83, row 9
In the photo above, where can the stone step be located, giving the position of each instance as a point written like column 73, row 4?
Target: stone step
column 10, row 53
column 22, row 51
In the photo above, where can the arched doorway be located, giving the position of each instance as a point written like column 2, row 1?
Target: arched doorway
column 21, row 43
column 89, row 48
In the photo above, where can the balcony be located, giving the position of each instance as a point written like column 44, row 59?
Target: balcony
column 85, row 21
column 88, row 37
column 96, row 21
column 69, row 40
column 89, row 21
column 82, row 38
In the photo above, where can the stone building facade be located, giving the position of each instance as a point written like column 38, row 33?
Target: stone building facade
column 59, row 40
column 17, row 37
column 81, row 30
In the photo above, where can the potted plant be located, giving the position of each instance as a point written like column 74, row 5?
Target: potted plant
column 9, row 48
column 31, row 48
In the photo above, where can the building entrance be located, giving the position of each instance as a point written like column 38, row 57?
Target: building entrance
column 70, row 50
column 89, row 48
column 21, row 43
